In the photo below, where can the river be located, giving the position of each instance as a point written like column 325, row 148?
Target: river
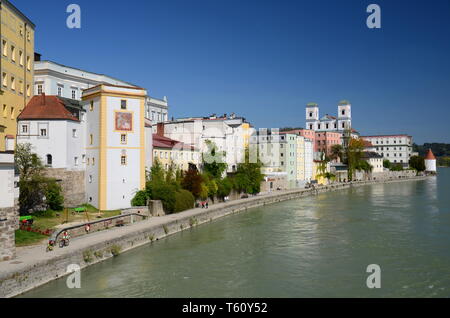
column 316, row 246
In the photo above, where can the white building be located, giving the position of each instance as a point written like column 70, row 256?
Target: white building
column 56, row 133
column 395, row 148
column 430, row 162
column 56, row 79
column 7, row 188
column 375, row 160
column 230, row 134
column 328, row 122
column 116, row 150
column 309, row 158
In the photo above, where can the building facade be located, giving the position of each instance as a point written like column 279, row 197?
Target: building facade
column 229, row 133
column 16, row 69
column 56, row 79
column 395, row 148
column 375, row 160
column 168, row 151
column 115, row 145
column 328, row 122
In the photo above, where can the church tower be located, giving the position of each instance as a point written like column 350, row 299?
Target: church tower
column 344, row 115
column 312, row 116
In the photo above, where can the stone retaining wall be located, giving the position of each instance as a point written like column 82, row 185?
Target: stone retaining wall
column 101, row 247
column 9, row 223
column 72, row 184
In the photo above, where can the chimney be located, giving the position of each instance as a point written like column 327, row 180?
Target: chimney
column 160, row 129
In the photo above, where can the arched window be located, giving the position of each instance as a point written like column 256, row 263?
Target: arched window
column 49, row 160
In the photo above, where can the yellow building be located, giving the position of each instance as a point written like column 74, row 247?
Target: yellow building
column 16, row 69
column 319, row 170
column 169, row 151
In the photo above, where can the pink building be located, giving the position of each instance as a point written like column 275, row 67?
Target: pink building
column 323, row 140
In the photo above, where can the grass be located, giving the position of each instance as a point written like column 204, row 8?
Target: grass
column 24, row 238
column 51, row 219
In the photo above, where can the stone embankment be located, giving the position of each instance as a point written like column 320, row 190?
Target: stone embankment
column 34, row 267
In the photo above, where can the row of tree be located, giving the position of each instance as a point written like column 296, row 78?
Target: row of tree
column 178, row 190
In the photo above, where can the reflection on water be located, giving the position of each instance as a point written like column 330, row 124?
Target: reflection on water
column 311, row 247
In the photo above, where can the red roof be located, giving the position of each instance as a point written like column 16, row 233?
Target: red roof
column 46, row 107
column 430, row 155
column 164, row 142
column 367, row 144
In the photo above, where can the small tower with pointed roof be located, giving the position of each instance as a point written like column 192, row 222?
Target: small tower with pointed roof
column 430, row 162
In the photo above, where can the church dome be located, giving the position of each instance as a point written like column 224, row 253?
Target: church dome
column 344, row 102
column 311, row 105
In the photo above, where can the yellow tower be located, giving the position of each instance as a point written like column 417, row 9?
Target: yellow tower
column 16, row 69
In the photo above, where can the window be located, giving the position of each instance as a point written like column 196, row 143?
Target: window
column 49, row 160
column 5, row 48
column 343, row 112
column 123, row 160
column 343, row 125
column 90, row 178
column 12, row 112
column 20, row 58
column 39, row 89
column 75, row 160
column 310, row 126
column 83, row 158
column 20, row 87
column 123, row 139
column 43, row 132
column 74, row 94
column 5, row 111
column 74, row 133
column 310, row 114
column 13, row 83
column 91, row 107
column 28, row 63
column 4, row 79
column 25, row 129
column 91, row 139
column 123, row 104
column 28, row 90
column 93, row 161
column 59, row 91
column 13, row 53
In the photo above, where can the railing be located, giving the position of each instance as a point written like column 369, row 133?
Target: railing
column 55, row 235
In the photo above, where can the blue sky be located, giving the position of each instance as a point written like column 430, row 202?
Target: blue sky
column 266, row 59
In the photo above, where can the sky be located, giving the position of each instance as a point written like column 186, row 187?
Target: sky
column 265, row 60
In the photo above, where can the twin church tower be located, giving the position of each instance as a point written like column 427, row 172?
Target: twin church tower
column 328, row 122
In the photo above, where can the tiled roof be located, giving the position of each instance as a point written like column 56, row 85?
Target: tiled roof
column 430, row 155
column 164, row 142
column 46, row 107
column 371, row 154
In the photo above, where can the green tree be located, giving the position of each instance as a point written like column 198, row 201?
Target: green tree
column 184, row 200
column 337, row 152
column 213, row 160
column 248, row 175
column 224, row 187
column 32, row 183
column 53, row 195
column 354, row 154
column 140, row 198
column 417, row 163
column 386, row 164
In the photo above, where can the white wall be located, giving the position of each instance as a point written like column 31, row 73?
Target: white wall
column 6, row 180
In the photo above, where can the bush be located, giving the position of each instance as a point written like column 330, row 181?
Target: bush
column 224, row 187
column 184, row 200
column 139, row 199
column 165, row 193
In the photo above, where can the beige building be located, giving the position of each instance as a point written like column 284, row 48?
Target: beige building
column 16, row 69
